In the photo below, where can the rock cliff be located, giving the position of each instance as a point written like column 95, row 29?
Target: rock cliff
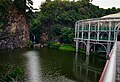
column 16, row 34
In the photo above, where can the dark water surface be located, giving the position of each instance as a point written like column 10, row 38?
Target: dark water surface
column 50, row 65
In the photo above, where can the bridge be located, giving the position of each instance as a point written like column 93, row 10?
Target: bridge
column 101, row 35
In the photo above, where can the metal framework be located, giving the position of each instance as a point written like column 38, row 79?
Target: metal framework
column 96, row 34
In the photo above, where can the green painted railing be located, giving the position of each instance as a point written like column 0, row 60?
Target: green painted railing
column 93, row 37
column 94, row 28
column 104, row 38
column 86, row 28
column 85, row 37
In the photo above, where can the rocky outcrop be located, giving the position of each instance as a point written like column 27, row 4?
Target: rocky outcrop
column 44, row 37
column 16, row 34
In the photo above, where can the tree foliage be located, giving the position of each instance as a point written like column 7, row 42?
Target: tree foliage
column 4, row 5
column 56, row 17
column 34, row 23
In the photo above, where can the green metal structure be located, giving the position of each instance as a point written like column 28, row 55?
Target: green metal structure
column 96, row 34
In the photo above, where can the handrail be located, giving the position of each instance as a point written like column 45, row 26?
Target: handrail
column 108, row 74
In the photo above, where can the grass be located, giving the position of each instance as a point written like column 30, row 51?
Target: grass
column 67, row 47
column 54, row 45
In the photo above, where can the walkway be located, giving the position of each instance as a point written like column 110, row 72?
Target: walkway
column 118, row 62
column 111, row 71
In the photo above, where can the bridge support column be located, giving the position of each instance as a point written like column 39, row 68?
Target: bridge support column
column 108, row 49
column 77, row 43
column 87, row 60
column 88, row 48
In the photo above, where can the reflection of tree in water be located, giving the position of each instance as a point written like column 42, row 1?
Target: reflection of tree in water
column 11, row 73
column 84, row 70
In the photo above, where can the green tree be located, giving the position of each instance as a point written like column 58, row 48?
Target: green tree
column 34, row 22
column 67, row 35
column 60, row 14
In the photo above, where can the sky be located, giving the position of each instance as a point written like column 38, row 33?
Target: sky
column 107, row 3
column 36, row 3
column 101, row 3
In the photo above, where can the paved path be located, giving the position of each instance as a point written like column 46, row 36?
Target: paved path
column 118, row 62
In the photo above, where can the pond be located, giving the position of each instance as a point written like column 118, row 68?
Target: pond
column 50, row 65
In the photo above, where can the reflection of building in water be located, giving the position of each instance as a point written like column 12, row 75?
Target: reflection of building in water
column 84, row 72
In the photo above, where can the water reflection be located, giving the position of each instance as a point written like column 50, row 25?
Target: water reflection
column 50, row 65
column 83, row 71
column 33, row 66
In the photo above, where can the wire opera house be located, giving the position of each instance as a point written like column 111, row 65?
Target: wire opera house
column 97, row 34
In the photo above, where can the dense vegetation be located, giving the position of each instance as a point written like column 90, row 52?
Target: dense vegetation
column 56, row 19
column 10, row 73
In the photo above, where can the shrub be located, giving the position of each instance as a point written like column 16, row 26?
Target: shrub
column 55, row 45
column 10, row 73
column 29, row 43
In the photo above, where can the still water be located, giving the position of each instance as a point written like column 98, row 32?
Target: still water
column 50, row 65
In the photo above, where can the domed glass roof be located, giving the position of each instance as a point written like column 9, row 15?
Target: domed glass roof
column 112, row 16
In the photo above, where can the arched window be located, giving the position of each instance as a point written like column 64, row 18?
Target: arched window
column 93, row 35
column 118, row 37
column 103, row 36
column 82, row 45
column 112, row 36
column 98, row 48
column 85, row 35
column 80, row 35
